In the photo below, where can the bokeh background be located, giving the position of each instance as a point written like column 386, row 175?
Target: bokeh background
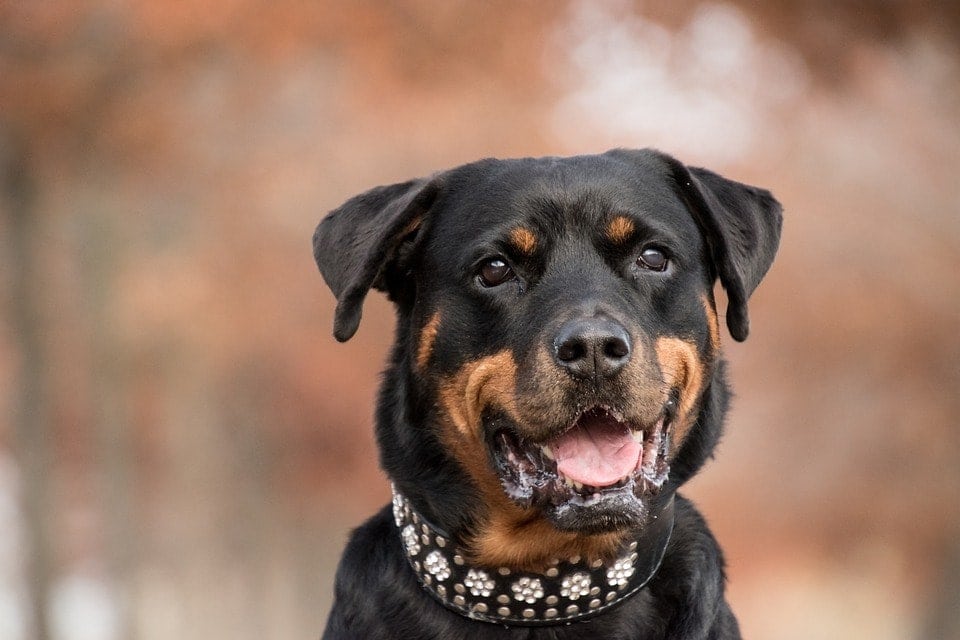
column 183, row 446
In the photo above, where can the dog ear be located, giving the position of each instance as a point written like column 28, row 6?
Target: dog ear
column 741, row 225
column 355, row 244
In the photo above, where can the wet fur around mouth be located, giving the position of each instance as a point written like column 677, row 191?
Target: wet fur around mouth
column 529, row 475
column 496, row 430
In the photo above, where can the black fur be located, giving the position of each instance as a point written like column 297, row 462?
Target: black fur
column 378, row 597
column 422, row 241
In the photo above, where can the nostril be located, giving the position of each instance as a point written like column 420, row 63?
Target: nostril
column 571, row 350
column 616, row 348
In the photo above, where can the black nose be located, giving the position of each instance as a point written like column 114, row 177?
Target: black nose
column 595, row 348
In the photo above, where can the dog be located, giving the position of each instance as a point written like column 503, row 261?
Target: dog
column 556, row 376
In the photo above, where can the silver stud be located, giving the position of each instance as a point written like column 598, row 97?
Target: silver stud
column 424, row 528
column 459, row 601
column 528, row 613
column 633, row 546
column 458, row 559
column 594, row 603
column 610, row 596
column 503, row 571
column 550, row 613
column 397, row 509
column 480, row 607
column 633, row 557
column 441, row 541
column 503, row 598
column 410, row 540
column 425, row 539
column 596, row 564
column 459, row 588
column 527, row 589
column 503, row 611
column 552, row 572
column 619, row 574
column 574, row 559
column 575, row 585
column 441, row 591
column 573, row 610
column 416, row 518
column 479, row 583
column 551, row 600
column 554, row 562
column 427, row 579
column 595, row 591
column 416, row 565
column 437, row 565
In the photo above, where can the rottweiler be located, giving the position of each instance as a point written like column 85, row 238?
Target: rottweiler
column 556, row 375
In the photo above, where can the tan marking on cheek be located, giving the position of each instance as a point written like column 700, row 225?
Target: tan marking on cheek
column 682, row 369
column 488, row 382
column 620, row 229
column 428, row 336
column 713, row 322
column 523, row 240
column 644, row 389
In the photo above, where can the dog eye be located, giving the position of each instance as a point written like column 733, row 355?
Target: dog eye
column 653, row 259
column 495, row 272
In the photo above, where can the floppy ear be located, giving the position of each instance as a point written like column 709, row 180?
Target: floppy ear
column 741, row 225
column 356, row 244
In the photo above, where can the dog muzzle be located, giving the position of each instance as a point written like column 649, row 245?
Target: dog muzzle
column 569, row 590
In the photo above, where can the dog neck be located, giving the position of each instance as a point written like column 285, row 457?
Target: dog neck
column 569, row 589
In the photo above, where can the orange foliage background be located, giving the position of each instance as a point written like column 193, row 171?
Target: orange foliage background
column 184, row 446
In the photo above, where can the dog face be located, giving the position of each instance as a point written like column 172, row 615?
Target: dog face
column 557, row 334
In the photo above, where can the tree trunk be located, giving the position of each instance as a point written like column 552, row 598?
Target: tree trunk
column 32, row 430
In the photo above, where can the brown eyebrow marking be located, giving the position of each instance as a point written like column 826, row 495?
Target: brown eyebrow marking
column 619, row 229
column 523, row 240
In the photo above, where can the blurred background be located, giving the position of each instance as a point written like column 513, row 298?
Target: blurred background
column 184, row 447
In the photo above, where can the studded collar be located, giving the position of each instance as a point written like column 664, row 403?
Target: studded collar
column 570, row 589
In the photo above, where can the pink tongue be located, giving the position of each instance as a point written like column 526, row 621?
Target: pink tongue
column 597, row 451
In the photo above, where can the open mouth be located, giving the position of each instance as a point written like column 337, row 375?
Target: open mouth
column 600, row 457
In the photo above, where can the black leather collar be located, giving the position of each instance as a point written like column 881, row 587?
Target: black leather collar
column 570, row 589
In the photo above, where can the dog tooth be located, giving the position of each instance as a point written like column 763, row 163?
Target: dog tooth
column 547, row 452
column 637, row 436
column 578, row 485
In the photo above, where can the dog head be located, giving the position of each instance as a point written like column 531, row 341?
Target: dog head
column 556, row 372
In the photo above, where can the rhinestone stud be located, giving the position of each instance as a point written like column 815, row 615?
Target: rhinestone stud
column 527, row 589
column 436, row 564
column 479, row 583
column 575, row 585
